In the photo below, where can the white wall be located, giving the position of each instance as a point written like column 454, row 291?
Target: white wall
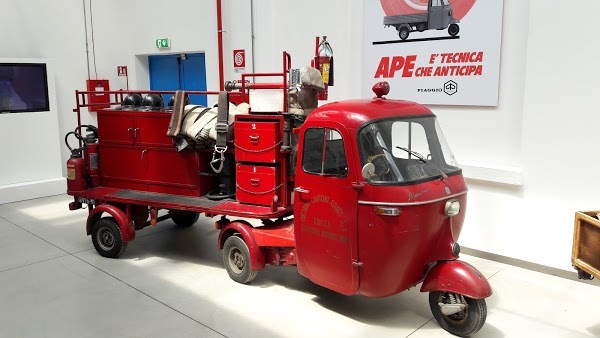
column 545, row 125
column 31, row 147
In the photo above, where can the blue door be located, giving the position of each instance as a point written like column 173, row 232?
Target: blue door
column 173, row 72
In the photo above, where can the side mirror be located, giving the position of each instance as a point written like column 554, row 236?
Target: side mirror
column 368, row 171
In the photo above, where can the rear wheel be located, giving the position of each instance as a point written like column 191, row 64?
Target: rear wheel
column 236, row 258
column 107, row 238
column 185, row 219
column 403, row 33
column 463, row 323
column 421, row 27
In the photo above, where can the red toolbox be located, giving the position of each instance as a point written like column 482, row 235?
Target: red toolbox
column 257, row 184
column 257, row 142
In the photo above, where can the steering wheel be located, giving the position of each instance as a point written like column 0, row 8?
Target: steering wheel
column 382, row 166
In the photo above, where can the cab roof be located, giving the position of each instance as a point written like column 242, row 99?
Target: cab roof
column 354, row 113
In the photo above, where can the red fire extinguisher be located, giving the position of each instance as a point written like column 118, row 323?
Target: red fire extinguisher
column 324, row 63
column 92, row 160
column 83, row 169
column 75, row 168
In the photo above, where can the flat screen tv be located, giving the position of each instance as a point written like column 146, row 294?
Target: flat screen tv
column 23, row 87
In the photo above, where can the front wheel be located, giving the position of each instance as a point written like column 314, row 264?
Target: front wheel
column 236, row 258
column 453, row 29
column 107, row 238
column 463, row 323
column 403, row 33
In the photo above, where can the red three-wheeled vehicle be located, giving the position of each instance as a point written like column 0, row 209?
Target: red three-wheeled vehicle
column 363, row 196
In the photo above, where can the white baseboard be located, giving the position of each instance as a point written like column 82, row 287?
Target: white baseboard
column 33, row 189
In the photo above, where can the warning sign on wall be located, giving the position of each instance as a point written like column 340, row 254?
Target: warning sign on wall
column 239, row 60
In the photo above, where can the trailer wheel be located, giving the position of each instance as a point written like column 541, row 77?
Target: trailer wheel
column 185, row 219
column 236, row 258
column 421, row 27
column 464, row 323
column 403, row 33
column 107, row 238
column 453, row 29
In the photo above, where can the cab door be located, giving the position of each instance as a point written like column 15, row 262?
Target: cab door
column 436, row 12
column 325, row 209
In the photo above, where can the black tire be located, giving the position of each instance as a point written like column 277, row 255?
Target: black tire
column 403, row 33
column 107, row 238
column 464, row 323
column 185, row 219
column 421, row 27
column 453, row 29
column 236, row 258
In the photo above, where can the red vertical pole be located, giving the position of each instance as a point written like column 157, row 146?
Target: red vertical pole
column 220, row 41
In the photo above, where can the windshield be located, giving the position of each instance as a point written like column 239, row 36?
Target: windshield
column 406, row 150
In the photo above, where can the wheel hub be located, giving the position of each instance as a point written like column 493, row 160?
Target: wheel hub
column 106, row 239
column 236, row 260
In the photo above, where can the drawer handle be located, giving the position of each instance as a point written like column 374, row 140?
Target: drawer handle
column 129, row 132
column 254, row 139
column 254, row 182
column 143, row 152
column 135, row 132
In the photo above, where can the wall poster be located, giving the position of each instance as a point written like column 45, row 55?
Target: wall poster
column 434, row 51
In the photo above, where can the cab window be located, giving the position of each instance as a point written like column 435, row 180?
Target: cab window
column 324, row 153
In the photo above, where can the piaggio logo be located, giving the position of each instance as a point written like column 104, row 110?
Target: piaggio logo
column 450, row 87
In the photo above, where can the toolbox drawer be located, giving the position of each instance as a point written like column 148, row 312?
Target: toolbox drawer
column 257, row 184
column 257, row 142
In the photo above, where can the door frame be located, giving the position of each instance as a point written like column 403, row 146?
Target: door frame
column 332, row 204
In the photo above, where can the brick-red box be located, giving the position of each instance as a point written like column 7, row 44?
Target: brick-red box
column 257, row 184
column 257, row 142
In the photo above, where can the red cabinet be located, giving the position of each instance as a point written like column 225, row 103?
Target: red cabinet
column 136, row 153
column 257, row 184
column 257, row 142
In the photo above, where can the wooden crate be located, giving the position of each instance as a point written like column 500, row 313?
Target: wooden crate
column 586, row 243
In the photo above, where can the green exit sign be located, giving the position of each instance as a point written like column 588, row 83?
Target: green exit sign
column 163, row 43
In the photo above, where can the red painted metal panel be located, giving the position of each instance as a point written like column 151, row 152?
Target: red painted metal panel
column 152, row 129
column 177, row 171
column 397, row 250
column 96, row 99
column 257, row 184
column 257, row 141
column 115, row 127
column 281, row 235
column 459, row 277
column 325, row 229
column 119, row 163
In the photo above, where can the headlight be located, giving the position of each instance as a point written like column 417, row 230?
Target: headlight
column 452, row 208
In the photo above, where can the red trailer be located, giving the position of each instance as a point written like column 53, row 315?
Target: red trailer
column 363, row 196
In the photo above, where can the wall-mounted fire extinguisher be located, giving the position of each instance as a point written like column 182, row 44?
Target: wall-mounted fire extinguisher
column 83, row 173
column 324, row 63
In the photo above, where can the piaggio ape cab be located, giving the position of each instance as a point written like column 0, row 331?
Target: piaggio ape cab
column 374, row 205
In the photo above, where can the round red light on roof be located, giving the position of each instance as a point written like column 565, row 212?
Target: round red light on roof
column 381, row 88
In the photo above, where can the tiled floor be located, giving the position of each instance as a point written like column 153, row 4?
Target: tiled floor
column 170, row 283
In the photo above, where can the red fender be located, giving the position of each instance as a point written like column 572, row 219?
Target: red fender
column 126, row 225
column 458, row 277
column 257, row 257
